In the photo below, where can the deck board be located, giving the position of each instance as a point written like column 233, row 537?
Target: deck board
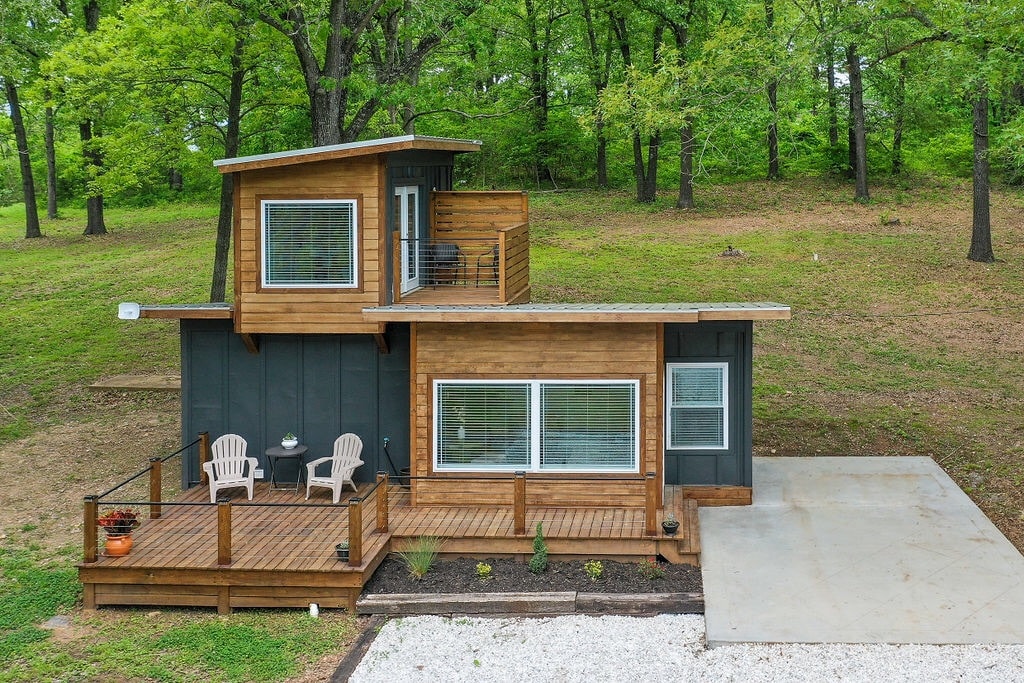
column 284, row 555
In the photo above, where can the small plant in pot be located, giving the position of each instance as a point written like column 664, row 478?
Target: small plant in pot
column 118, row 525
column 670, row 524
column 342, row 550
column 289, row 441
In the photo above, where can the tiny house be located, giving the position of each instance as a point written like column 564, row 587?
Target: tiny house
column 371, row 297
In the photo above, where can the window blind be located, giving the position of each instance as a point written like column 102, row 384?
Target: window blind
column 309, row 243
column 697, row 405
column 483, row 426
column 588, row 426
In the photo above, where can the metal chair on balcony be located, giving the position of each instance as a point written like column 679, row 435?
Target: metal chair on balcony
column 446, row 263
column 489, row 261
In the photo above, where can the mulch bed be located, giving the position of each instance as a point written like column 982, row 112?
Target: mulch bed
column 513, row 576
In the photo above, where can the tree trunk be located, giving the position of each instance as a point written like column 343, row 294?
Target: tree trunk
column 685, row 200
column 859, row 133
column 900, row 118
column 28, row 184
column 981, row 225
column 774, row 173
column 220, row 258
column 51, row 161
column 833, row 102
column 175, row 183
column 651, row 182
column 93, row 157
column 773, row 101
column 599, row 79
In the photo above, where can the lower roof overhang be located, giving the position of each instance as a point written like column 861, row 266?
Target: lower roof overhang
column 187, row 311
column 584, row 313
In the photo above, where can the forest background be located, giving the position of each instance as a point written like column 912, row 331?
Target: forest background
column 128, row 102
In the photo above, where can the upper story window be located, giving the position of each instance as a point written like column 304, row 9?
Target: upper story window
column 310, row 243
column 698, row 406
column 537, row 425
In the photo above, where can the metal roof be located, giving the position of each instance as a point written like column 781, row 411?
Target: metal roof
column 347, row 149
column 569, row 312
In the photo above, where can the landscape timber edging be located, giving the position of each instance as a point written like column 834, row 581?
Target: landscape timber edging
column 531, row 603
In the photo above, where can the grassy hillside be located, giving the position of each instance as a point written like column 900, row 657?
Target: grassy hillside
column 898, row 346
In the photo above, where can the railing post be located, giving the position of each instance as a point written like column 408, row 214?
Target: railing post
column 155, row 466
column 204, row 454
column 382, row 502
column 396, row 265
column 502, row 267
column 519, row 504
column 223, row 531
column 89, row 528
column 651, row 504
column 355, row 532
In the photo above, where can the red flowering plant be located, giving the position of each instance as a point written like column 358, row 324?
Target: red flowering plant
column 119, row 522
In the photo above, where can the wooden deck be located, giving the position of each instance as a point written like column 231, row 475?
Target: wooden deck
column 282, row 551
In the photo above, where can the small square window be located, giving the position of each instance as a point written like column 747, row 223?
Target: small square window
column 698, row 406
column 309, row 243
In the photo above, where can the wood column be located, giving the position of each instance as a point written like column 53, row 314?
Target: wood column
column 651, row 505
column 519, row 504
column 355, row 532
column 155, row 468
column 382, row 502
column 89, row 529
column 204, row 454
column 223, row 531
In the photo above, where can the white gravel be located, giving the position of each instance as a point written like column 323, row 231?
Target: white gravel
column 666, row 648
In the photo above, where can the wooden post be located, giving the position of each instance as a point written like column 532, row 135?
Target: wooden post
column 502, row 267
column 519, row 504
column 382, row 502
column 89, row 528
column 651, row 505
column 355, row 532
column 223, row 531
column 155, row 466
column 204, row 454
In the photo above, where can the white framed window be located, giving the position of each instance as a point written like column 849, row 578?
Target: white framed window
column 537, row 425
column 310, row 243
column 697, row 410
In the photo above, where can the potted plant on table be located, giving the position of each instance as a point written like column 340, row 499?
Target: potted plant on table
column 289, row 441
column 118, row 524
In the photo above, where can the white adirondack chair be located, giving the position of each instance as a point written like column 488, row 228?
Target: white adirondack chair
column 229, row 467
column 344, row 462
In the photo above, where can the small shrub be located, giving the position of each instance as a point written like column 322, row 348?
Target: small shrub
column 420, row 554
column 594, row 569
column 651, row 569
column 539, row 561
column 484, row 571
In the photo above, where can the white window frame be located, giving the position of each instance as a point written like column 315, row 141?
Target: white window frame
column 353, row 244
column 536, row 420
column 669, row 367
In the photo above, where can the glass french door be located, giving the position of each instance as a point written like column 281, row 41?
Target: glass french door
column 407, row 215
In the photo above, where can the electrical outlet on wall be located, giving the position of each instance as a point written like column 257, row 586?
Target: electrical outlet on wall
column 258, row 473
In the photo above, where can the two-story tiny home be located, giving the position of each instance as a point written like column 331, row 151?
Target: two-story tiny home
column 370, row 297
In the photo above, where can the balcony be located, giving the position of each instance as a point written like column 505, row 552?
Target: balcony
column 478, row 252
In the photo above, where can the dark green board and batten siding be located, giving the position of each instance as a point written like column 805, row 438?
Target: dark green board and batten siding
column 730, row 342
column 317, row 386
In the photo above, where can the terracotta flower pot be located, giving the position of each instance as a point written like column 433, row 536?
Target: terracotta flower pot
column 118, row 546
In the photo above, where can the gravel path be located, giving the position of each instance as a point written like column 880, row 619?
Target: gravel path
column 667, row 647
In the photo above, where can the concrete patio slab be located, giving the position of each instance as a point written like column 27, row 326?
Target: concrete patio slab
column 858, row 550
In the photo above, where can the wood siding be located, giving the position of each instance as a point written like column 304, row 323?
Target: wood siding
column 535, row 351
column 309, row 310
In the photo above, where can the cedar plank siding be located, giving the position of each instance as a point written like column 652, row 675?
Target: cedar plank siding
column 302, row 310
column 526, row 351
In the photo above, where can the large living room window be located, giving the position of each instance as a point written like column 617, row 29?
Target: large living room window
column 537, row 425
column 698, row 406
column 309, row 243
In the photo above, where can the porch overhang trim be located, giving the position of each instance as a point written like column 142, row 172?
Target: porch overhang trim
column 601, row 313
column 187, row 311
column 346, row 150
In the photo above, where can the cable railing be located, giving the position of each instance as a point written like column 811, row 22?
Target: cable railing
column 370, row 512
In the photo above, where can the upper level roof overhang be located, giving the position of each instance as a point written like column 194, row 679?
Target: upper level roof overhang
column 346, row 150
